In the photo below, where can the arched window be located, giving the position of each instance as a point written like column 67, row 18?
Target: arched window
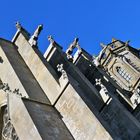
column 123, row 74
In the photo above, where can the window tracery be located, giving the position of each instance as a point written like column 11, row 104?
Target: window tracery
column 124, row 74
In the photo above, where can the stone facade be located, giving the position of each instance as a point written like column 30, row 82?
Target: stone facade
column 67, row 95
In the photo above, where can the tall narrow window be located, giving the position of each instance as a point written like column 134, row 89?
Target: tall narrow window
column 123, row 74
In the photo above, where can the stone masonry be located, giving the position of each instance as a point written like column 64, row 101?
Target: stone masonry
column 66, row 95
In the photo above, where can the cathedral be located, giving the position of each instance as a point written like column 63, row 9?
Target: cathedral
column 68, row 95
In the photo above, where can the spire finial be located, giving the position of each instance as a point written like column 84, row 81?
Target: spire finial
column 38, row 31
column 75, row 42
column 18, row 25
column 50, row 39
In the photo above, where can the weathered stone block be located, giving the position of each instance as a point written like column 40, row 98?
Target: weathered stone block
column 81, row 122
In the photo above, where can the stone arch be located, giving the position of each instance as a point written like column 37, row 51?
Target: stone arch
column 121, row 75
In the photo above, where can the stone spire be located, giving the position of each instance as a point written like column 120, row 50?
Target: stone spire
column 34, row 37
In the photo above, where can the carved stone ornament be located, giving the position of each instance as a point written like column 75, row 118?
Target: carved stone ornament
column 61, row 69
column 5, row 87
column 18, row 25
column 99, row 83
column 50, row 39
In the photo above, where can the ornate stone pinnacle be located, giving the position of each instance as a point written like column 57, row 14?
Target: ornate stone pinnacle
column 38, row 30
column 61, row 69
column 18, row 25
column 75, row 42
column 34, row 37
column 50, row 39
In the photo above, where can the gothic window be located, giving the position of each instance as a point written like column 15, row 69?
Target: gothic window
column 8, row 130
column 123, row 74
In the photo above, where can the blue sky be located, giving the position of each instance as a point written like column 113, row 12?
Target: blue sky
column 93, row 21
